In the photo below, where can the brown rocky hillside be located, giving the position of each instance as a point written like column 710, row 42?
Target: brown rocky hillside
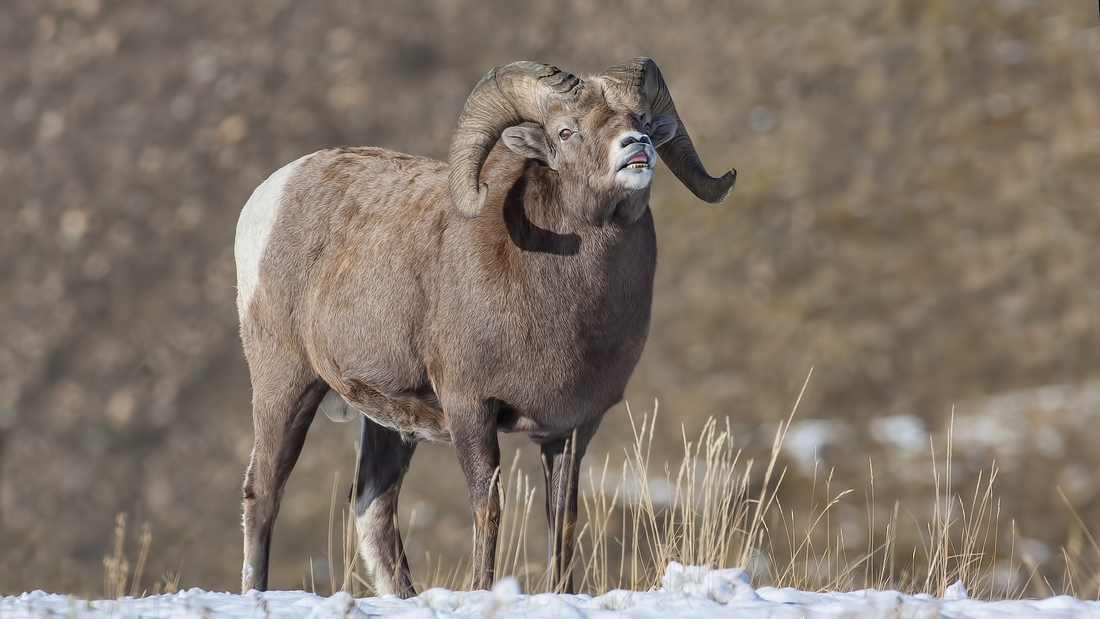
column 916, row 217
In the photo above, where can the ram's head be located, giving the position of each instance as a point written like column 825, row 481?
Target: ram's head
column 602, row 133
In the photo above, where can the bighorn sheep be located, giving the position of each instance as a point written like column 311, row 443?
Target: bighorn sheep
column 508, row 292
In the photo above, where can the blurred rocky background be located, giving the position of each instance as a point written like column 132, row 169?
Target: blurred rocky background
column 916, row 218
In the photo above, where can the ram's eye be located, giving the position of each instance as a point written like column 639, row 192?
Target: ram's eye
column 564, row 134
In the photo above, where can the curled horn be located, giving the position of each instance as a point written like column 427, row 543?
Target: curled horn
column 507, row 96
column 642, row 78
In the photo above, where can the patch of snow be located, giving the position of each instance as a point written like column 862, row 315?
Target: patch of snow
column 687, row 592
column 956, row 591
column 341, row 604
column 906, row 432
column 805, row 439
column 596, row 482
column 722, row 586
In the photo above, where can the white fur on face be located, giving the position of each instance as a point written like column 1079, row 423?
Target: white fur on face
column 632, row 178
column 254, row 229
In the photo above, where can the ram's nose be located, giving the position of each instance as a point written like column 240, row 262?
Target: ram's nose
column 634, row 138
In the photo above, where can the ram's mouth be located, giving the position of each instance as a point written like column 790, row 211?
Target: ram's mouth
column 637, row 161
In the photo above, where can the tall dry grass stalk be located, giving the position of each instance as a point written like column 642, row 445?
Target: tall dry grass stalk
column 1082, row 576
column 116, row 567
column 961, row 541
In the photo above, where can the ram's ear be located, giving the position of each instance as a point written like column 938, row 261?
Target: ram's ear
column 529, row 141
column 662, row 129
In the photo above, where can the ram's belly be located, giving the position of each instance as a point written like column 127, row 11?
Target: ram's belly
column 416, row 416
column 546, row 399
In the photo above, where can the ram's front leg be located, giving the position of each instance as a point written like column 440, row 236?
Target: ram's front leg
column 561, row 461
column 473, row 431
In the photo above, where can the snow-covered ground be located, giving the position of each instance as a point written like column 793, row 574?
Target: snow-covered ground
column 686, row 592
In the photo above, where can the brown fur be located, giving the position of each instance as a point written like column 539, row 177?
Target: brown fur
column 528, row 318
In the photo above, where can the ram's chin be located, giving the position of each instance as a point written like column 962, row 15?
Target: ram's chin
column 634, row 178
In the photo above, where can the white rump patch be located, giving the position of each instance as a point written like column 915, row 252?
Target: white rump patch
column 336, row 408
column 254, row 229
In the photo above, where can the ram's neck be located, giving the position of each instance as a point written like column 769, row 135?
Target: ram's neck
column 530, row 233
column 534, row 196
column 534, row 213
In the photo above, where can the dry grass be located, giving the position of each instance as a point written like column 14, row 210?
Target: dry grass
column 116, row 566
column 719, row 509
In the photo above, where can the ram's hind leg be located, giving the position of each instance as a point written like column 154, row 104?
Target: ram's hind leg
column 383, row 460
column 284, row 404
